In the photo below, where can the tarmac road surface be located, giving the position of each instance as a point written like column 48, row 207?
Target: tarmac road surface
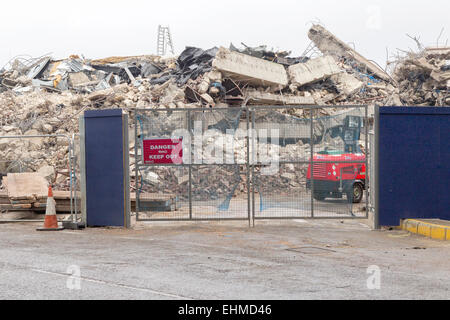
column 299, row 259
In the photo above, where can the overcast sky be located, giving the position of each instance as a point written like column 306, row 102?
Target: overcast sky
column 108, row 28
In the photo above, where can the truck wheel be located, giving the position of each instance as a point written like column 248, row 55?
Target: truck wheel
column 357, row 193
column 319, row 196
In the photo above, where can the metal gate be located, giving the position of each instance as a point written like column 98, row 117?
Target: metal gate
column 249, row 163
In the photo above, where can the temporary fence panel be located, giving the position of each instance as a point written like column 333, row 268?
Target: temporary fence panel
column 284, row 187
column 220, row 175
column 250, row 163
column 26, row 155
column 340, row 164
column 280, row 153
column 372, row 175
column 210, row 180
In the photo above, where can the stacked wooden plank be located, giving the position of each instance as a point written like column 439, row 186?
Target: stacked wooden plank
column 28, row 192
column 148, row 202
column 62, row 199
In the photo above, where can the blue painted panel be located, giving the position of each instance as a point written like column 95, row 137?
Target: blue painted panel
column 414, row 163
column 104, row 168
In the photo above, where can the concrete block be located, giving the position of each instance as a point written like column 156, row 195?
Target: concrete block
column 78, row 78
column 313, row 70
column 346, row 83
column 245, row 68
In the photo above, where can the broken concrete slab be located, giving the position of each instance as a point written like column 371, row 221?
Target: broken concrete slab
column 26, row 186
column 313, row 70
column 329, row 44
column 323, row 98
column 208, row 99
column 440, row 76
column 248, row 69
column 78, row 78
column 99, row 95
column 258, row 97
column 48, row 172
column 438, row 52
column 346, row 83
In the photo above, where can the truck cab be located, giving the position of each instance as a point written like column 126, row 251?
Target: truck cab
column 333, row 173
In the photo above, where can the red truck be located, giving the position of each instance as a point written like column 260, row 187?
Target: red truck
column 335, row 179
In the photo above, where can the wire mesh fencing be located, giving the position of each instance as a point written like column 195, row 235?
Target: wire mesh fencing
column 49, row 155
column 210, row 179
column 250, row 163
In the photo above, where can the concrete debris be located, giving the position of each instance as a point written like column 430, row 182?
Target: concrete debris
column 346, row 83
column 48, row 173
column 26, row 186
column 45, row 96
column 245, row 68
column 266, row 98
column 281, row 57
column 423, row 77
column 313, row 70
column 331, row 45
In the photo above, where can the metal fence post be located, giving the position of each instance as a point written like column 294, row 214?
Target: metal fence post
column 253, row 165
column 368, row 154
column 71, row 179
column 312, row 162
column 190, row 163
column 248, row 167
column 136, row 164
column 74, row 163
column 377, row 167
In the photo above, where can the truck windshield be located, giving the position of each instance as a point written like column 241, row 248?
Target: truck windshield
column 331, row 152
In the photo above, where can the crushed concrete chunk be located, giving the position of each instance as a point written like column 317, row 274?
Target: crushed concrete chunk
column 78, row 78
column 346, row 83
column 48, row 172
column 313, row 70
column 249, row 69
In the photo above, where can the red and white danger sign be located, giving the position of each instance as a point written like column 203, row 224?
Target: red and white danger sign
column 163, row 151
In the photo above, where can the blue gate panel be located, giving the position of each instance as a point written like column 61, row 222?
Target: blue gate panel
column 105, row 204
column 414, row 163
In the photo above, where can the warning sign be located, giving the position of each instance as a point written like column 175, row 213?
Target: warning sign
column 163, row 151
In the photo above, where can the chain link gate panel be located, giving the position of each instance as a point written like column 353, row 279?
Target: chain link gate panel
column 253, row 163
column 285, row 187
column 212, row 180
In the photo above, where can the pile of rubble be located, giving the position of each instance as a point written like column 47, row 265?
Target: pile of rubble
column 424, row 78
column 46, row 96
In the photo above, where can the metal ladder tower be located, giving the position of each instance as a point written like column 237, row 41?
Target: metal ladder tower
column 164, row 41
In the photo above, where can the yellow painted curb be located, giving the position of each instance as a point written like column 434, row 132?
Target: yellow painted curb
column 427, row 229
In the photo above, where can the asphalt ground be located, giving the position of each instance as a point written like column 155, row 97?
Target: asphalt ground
column 298, row 259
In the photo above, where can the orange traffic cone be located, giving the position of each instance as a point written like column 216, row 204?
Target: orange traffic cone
column 51, row 221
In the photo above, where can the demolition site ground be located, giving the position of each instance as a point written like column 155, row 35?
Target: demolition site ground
column 299, row 259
